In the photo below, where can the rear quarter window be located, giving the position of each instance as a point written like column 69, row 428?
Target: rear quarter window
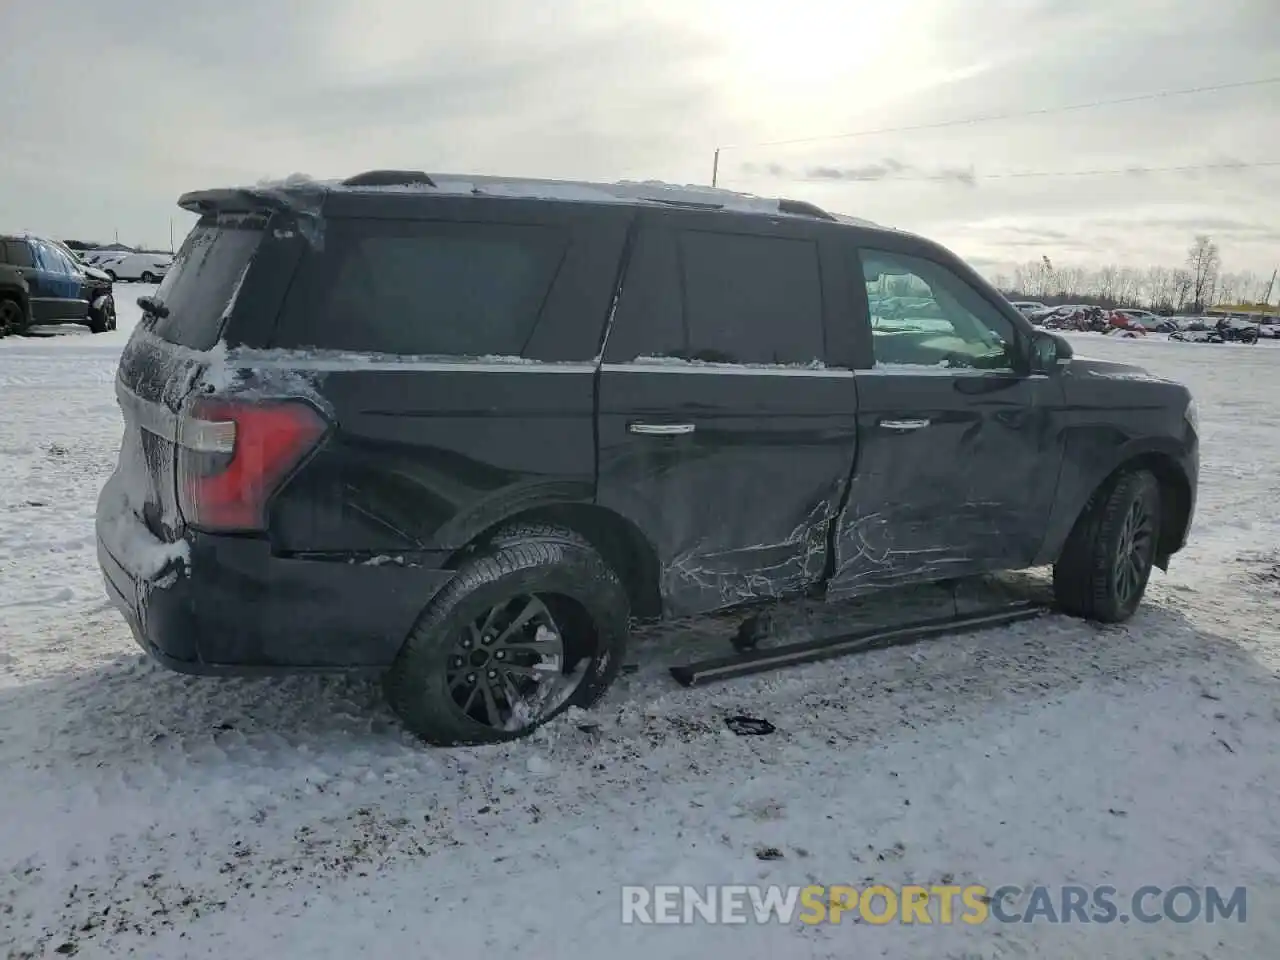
column 425, row 288
column 201, row 285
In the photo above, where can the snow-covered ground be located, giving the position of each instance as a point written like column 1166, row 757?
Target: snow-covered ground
column 150, row 814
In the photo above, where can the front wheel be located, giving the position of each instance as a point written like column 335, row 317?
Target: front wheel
column 12, row 318
column 1103, row 570
column 148, row 277
column 103, row 318
column 533, row 624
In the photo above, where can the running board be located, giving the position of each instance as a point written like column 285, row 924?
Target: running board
column 843, row 644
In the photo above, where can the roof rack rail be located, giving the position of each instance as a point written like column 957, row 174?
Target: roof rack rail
column 803, row 208
column 388, row 178
column 690, row 204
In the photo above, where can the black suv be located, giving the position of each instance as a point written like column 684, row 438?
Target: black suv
column 59, row 287
column 464, row 430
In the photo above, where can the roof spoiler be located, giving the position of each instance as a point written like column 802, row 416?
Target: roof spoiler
column 300, row 197
column 296, row 193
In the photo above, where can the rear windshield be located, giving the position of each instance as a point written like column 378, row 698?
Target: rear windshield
column 423, row 287
column 201, row 285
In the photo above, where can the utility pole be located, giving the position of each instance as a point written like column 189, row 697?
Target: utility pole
column 171, row 236
column 715, row 167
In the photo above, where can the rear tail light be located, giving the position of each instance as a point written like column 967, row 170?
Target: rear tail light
column 234, row 454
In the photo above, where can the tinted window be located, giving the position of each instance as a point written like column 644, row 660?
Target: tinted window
column 16, row 252
column 751, row 299
column 199, row 287
column 725, row 298
column 649, row 321
column 426, row 288
column 922, row 314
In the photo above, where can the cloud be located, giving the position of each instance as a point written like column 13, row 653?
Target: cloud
column 887, row 169
column 580, row 89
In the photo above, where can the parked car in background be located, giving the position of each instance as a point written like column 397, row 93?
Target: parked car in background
column 1195, row 324
column 1027, row 307
column 102, row 302
column 97, row 257
column 59, row 290
column 14, row 294
column 147, row 267
column 337, row 455
column 1151, row 322
column 1216, row 330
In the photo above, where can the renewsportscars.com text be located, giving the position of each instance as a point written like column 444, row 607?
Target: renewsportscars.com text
column 970, row 904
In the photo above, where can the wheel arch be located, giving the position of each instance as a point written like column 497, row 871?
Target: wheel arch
column 13, row 292
column 618, row 541
column 1175, row 502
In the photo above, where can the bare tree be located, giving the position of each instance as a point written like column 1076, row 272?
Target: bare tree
column 1181, row 286
column 1203, row 264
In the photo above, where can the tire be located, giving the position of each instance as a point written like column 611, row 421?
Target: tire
column 112, row 275
column 1121, row 520
column 438, row 682
column 148, row 277
column 13, row 318
column 103, row 320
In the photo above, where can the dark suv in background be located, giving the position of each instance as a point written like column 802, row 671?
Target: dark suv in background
column 463, row 430
column 59, row 287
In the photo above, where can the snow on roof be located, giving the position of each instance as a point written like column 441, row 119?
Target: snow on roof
column 625, row 191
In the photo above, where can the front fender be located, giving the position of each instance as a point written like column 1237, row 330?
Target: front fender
column 1092, row 458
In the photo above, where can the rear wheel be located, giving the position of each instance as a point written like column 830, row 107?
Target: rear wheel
column 112, row 275
column 1103, row 570
column 148, row 276
column 533, row 624
column 12, row 317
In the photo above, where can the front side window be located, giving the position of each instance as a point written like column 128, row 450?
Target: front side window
column 52, row 259
column 923, row 315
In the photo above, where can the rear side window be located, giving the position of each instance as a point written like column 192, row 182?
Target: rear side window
column 751, row 299
column 19, row 254
column 201, row 285
column 426, row 288
column 720, row 297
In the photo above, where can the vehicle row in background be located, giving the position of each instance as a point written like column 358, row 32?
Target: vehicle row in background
column 42, row 281
column 1131, row 321
column 129, row 264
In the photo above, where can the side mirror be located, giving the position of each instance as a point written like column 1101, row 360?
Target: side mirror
column 1049, row 352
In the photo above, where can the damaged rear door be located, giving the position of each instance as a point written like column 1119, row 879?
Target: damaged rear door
column 957, row 457
column 722, row 434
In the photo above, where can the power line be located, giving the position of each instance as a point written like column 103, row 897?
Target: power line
column 990, row 118
column 963, row 176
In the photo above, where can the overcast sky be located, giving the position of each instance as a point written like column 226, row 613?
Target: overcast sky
column 111, row 108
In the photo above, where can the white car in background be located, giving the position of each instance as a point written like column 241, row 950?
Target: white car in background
column 1026, row 307
column 95, row 257
column 147, row 267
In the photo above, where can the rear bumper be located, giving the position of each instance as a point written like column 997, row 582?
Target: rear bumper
column 233, row 608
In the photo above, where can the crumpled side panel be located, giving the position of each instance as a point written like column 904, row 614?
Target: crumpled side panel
column 758, row 572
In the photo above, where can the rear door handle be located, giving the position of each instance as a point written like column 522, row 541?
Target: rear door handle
column 661, row 429
column 904, row 424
